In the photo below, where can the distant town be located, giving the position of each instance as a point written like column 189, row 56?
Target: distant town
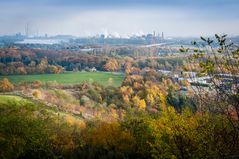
column 156, row 44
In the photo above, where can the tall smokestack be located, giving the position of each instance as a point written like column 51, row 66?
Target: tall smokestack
column 27, row 30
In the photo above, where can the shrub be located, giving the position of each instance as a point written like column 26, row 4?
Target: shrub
column 6, row 85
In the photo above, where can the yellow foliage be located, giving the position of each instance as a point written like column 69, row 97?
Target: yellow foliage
column 37, row 94
column 72, row 121
column 126, row 90
column 139, row 103
column 114, row 115
column 136, row 101
column 173, row 127
column 142, row 104
column 162, row 101
column 110, row 136
column 126, row 99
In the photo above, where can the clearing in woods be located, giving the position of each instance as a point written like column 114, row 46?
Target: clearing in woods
column 70, row 78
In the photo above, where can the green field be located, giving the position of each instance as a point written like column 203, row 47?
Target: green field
column 17, row 101
column 4, row 99
column 69, row 78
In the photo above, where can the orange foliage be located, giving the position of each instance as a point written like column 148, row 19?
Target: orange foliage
column 6, row 86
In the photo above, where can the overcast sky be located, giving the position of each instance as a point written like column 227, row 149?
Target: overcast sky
column 120, row 17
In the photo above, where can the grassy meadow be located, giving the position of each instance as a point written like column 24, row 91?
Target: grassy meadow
column 4, row 99
column 70, row 78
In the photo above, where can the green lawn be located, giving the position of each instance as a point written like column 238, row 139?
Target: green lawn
column 70, row 78
column 4, row 99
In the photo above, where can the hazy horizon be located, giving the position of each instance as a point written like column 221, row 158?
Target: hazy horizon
column 178, row 18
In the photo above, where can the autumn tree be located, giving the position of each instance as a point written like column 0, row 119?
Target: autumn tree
column 221, row 64
column 54, row 69
column 218, row 59
column 21, row 70
column 6, row 85
column 111, row 65
column 109, row 139
column 126, row 93
column 138, row 103
column 42, row 66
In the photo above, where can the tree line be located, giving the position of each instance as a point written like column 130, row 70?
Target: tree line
column 39, row 61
